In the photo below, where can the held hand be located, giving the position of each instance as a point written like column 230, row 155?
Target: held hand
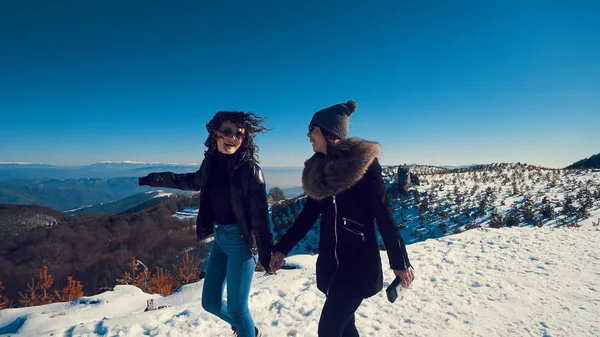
column 406, row 276
column 276, row 261
column 267, row 266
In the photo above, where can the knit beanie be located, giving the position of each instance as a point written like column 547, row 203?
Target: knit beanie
column 335, row 119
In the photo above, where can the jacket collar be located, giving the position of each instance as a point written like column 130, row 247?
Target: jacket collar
column 242, row 157
column 324, row 177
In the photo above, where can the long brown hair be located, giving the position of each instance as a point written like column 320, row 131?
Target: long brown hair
column 249, row 121
column 336, row 147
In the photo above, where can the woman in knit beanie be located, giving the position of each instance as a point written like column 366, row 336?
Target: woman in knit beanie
column 345, row 187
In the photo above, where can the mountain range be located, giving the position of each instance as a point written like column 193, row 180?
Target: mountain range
column 104, row 170
column 130, row 204
column 464, row 228
column 89, row 188
column 109, row 187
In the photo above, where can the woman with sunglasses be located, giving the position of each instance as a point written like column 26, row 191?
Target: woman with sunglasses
column 345, row 187
column 233, row 214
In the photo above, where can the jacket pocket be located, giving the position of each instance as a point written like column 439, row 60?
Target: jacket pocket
column 354, row 227
column 346, row 220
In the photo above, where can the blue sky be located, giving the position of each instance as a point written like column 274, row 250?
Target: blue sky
column 437, row 82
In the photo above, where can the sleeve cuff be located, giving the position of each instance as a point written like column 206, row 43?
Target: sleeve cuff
column 143, row 181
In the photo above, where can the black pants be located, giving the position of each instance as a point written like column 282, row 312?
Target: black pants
column 337, row 317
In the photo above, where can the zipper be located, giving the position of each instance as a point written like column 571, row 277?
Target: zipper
column 358, row 223
column 337, row 262
column 353, row 231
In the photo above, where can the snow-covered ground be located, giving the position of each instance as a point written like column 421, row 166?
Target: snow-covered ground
column 523, row 280
column 160, row 194
column 520, row 281
column 188, row 212
column 459, row 200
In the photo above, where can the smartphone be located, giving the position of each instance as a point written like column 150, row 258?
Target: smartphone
column 394, row 289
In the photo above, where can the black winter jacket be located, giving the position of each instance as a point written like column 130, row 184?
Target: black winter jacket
column 349, row 194
column 248, row 198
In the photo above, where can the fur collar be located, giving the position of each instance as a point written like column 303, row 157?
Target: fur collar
column 323, row 177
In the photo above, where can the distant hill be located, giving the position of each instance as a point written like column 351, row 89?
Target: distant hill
column 291, row 192
column 68, row 194
column 105, row 170
column 591, row 162
column 18, row 219
column 78, row 188
column 152, row 202
column 275, row 176
column 455, row 167
column 93, row 248
column 131, row 204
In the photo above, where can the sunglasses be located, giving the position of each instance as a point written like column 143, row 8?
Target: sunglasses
column 228, row 133
column 311, row 128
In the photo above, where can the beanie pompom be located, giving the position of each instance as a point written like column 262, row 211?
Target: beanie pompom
column 350, row 107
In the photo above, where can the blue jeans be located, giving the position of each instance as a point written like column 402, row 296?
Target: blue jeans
column 230, row 262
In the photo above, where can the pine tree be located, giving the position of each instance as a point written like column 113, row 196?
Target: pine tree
column 512, row 218
column 442, row 226
column 527, row 210
column 4, row 302
column 568, row 207
column 31, row 297
column 45, row 283
column 416, row 197
column 277, row 194
column 424, row 207
column 547, row 211
column 497, row 221
column 72, row 291
column 161, row 283
column 482, row 205
column 136, row 278
column 187, row 271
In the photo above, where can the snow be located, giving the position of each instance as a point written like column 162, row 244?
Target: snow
column 143, row 163
column 523, row 281
column 161, row 194
column 18, row 163
column 531, row 182
column 77, row 209
column 445, row 216
column 126, row 162
column 188, row 212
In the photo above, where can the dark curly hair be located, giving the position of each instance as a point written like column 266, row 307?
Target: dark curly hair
column 250, row 122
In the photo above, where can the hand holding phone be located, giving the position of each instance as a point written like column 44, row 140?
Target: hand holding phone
column 394, row 289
